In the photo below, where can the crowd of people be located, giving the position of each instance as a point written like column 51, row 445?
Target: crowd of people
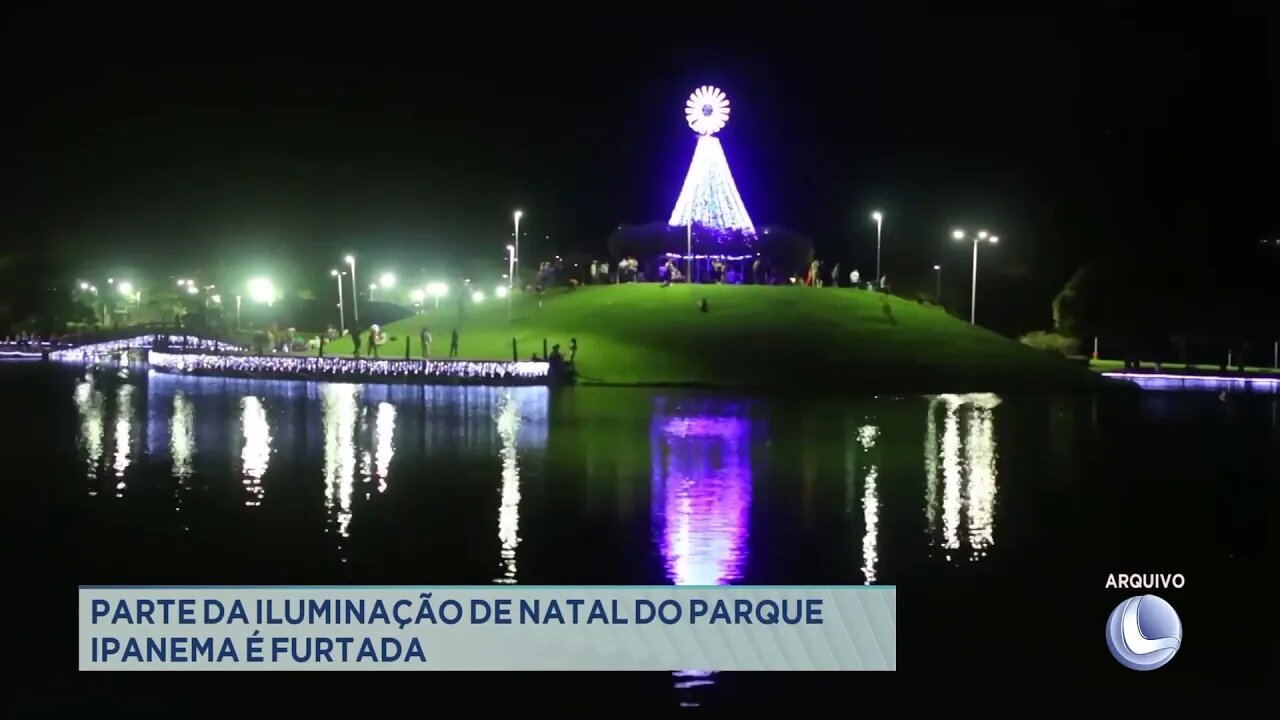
column 816, row 275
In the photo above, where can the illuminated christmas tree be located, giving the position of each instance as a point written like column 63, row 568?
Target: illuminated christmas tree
column 709, row 198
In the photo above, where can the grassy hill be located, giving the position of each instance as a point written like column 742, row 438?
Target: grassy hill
column 753, row 336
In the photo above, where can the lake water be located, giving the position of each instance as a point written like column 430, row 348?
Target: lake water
column 998, row 518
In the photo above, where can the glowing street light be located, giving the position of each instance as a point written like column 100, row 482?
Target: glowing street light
column 417, row 296
column 502, row 291
column 261, row 290
column 437, row 290
column 387, row 280
column 192, row 289
column 879, row 218
column 126, row 289
column 511, row 266
column 477, row 296
column 84, row 286
column 355, row 294
column 342, row 312
column 982, row 235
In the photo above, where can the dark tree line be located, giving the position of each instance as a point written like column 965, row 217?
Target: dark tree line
column 1177, row 305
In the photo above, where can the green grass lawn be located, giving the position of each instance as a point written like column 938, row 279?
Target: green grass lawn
column 752, row 336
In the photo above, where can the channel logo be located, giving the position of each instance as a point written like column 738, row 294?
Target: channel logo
column 1144, row 632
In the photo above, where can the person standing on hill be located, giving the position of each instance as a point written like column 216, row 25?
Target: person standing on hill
column 835, row 275
column 453, row 344
column 425, row 337
column 355, row 341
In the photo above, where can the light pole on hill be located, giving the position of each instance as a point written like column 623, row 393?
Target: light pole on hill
column 879, row 218
column 937, row 293
column 515, row 265
column 982, row 235
column 511, row 276
column 688, row 261
column 355, row 293
column 342, row 313
column 511, row 267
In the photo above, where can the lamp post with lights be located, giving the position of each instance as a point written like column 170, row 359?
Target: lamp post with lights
column 516, row 262
column 982, row 236
column 879, row 218
column 355, row 292
column 342, row 313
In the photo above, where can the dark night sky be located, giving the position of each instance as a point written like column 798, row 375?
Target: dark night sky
column 1067, row 135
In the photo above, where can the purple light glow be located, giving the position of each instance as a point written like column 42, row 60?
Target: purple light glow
column 701, row 497
column 140, row 342
column 337, row 367
column 1165, row 381
column 678, row 256
column 709, row 197
column 707, row 110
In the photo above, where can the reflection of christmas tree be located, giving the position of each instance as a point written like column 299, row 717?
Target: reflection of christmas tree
column 709, row 198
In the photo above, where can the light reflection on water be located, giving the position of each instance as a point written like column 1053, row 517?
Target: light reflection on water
column 89, row 401
column 385, row 449
column 507, row 420
column 256, row 454
column 967, row 455
column 182, row 449
column 705, row 471
column 353, row 429
column 867, row 436
column 701, row 488
column 123, row 435
column 339, row 419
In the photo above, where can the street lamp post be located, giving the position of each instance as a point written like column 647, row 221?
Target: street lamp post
column 973, row 299
column 879, row 218
column 937, row 292
column 688, row 256
column 516, row 264
column 437, row 290
column 372, row 287
column 342, row 313
column 511, row 276
column 355, row 292
column 237, row 312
